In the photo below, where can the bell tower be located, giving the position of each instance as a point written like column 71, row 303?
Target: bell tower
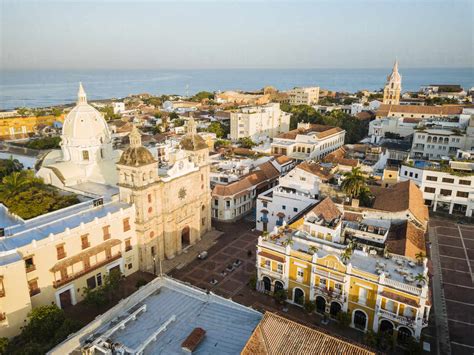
column 393, row 87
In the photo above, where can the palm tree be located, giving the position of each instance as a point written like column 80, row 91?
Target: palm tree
column 420, row 256
column 313, row 249
column 289, row 242
column 354, row 182
column 13, row 183
column 420, row 278
column 352, row 244
column 345, row 256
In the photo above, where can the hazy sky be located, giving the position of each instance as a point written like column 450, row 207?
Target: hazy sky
column 244, row 34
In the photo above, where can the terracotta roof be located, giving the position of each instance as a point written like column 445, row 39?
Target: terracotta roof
column 386, row 110
column 321, row 131
column 406, row 239
column 244, row 151
column 338, row 157
column 315, row 169
column 400, row 197
column 283, row 159
column 400, row 298
column 352, row 217
column 271, row 256
column 276, row 335
column 264, row 172
column 327, row 210
column 136, row 156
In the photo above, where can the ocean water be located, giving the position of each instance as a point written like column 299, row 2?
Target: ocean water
column 40, row 88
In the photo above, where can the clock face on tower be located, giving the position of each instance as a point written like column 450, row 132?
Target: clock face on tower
column 182, row 193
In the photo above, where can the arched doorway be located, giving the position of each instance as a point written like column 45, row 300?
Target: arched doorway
column 278, row 286
column 386, row 327
column 404, row 334
column 360, row 320
column 185, row 237
column 298, row 296
column 320, row 304
column 267, row 283
column 335, row 309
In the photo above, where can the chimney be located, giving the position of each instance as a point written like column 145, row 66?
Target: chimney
column 193, row 340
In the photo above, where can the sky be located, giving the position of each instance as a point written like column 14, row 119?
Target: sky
column 235, row 34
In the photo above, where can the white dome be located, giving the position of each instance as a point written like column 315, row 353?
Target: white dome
column 86, row 123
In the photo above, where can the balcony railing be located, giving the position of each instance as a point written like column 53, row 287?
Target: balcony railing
column 30, row 268
column 333, row 294
column 272, row 273
column 409, row 321
column 69, row 278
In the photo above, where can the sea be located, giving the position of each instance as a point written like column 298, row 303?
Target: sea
column 43, row 88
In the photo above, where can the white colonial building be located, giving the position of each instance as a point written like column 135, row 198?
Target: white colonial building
column 304, row 96
column 259, row 122
column 309, row 141
column 393, row 87
column 295, row 192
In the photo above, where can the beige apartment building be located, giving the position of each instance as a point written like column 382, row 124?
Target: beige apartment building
column 53, row 257
column 304, row 96
column 259, row 122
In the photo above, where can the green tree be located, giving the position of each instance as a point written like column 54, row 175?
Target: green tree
column 178, row 122
column 23, row 111
column 202, row 95
column 344, row 319
column 246, row 142
column 217, row 128
column 44, row 143
column 354, row 182
column 313, row 249
column 173, row 116
column 11, row 184
column 420, row 279
column 280, row 296
column 3, row 345
column 8, row 166
column 309, row 306
column 420, row 256
column 56, row 111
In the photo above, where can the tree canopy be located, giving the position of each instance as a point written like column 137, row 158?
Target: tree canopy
column 27, row 196
column 44, row 143
column 8, row 166
column 202, row 95
column 219, row 129
column 47, row 326
column 246, row 142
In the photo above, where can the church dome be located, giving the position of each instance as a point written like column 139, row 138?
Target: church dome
column 136, row 156
column 84, row 122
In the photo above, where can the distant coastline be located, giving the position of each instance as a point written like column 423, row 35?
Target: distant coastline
column 41, row 88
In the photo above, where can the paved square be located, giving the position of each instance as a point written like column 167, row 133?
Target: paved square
column 455, row 244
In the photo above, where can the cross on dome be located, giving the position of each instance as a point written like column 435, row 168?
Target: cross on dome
column 81, row 95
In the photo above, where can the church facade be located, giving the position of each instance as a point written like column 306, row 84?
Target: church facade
column 172, row 200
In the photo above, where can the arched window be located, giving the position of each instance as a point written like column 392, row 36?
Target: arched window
column 360, row 320
column 298, row 296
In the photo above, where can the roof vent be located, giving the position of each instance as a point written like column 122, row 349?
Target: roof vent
column 193, row 340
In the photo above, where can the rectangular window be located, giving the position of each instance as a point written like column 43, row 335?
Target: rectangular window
column 464, row 182
column 462, row 194
column 128, row 244
column 227, row 204
column 85, row 155
column 300, row 273
column 149, row 197
column 280, row 267
column 445, row 192
column 283, row 207
column 267, row 263
column 302, row 178
column 106, row 232
column 33, row 286
column 265, row 204
column 430, row 190
column 91, row 282
column 99, row 279
column 448, row 180
column 29, row 264
column 126, row 224
column 85, row 241
column 431, row 178
column 295, row 209
column 61, row 253
column 322, row 282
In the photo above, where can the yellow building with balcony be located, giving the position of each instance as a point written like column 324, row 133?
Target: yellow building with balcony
column 379, row 290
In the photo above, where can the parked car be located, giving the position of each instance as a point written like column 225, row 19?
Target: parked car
column 202, row 255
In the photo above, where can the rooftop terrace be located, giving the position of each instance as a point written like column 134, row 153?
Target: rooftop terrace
column 160, row 316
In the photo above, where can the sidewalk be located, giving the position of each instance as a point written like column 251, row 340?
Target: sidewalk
column 190, row 253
